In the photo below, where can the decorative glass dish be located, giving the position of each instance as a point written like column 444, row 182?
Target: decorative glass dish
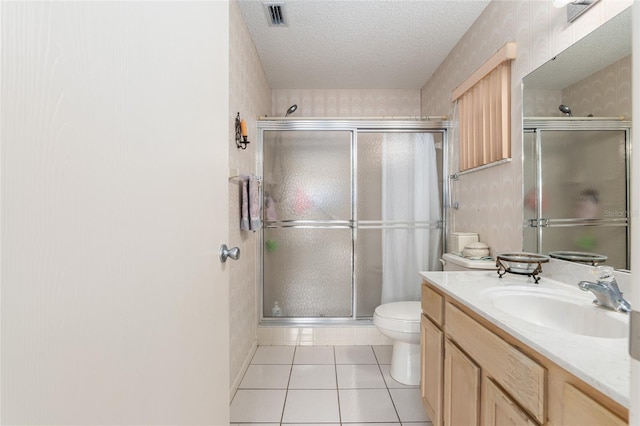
column 592, row 259
column 529, row 264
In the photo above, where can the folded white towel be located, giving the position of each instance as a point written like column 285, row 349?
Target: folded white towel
column 254, row 203
column 244, row 206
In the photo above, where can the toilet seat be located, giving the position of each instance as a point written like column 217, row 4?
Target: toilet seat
column 398, row 316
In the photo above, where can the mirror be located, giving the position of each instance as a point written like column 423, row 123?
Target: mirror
column 577, row 111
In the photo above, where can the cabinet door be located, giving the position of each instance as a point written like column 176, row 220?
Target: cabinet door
column 499, row 409
column 461, row 388
column 581, row 410
column 431, row 369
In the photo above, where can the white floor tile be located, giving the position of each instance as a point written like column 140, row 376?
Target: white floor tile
column 257, row 424
column 366, row 405
column 314, row 355
column 391, row 382
column 409, row 405
column 411, row 424
column 315, row 424
column 274, row 355
column 383, row 353
column 316, row 406
column 262, row 376
column 354, row 355
column 251, row 406
column 312, row 398
column 374, row 424
column 313, row 377
column 359, row 376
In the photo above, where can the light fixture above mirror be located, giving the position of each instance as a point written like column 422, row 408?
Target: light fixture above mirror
column 575, row 8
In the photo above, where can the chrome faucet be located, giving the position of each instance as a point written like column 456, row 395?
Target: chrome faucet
column 606, row 290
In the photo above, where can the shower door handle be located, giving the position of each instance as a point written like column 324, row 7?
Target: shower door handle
column 233, row 253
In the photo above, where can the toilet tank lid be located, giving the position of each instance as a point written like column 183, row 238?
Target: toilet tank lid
column 405, row 311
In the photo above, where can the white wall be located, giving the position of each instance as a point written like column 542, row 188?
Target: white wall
column 250, row 95
column 114, row 132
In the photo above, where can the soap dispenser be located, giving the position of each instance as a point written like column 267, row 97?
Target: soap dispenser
column 276, row 311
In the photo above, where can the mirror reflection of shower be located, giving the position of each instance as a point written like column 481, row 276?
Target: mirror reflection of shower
column 291, row 110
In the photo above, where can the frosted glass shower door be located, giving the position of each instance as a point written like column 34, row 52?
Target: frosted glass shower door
column 308, row 237
column 581, row 193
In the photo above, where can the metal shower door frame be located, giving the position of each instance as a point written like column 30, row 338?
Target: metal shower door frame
column 540, row 125
column 354, row 126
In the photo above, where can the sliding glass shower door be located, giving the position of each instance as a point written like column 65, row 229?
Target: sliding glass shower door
column 307, row 263
column 576, row 178
column 350, row 217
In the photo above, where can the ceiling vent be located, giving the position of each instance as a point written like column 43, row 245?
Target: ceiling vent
column 275, row 14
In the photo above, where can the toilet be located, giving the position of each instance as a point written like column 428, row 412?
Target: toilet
column 400, row 321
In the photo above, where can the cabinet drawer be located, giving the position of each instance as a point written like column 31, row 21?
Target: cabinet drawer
column 432, row 304
column 515, row 372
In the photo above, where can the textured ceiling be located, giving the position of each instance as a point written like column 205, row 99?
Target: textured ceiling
column 366, row 44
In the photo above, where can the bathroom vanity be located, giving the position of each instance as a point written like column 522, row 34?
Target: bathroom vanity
column 487, row 360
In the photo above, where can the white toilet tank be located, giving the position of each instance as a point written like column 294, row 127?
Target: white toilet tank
column 454, row 262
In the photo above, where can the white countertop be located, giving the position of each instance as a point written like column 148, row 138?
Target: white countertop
column 603, row 363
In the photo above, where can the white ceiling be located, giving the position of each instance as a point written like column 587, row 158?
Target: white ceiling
column 357, row 44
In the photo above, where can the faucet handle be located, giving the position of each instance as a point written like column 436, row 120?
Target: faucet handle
column 604, row 273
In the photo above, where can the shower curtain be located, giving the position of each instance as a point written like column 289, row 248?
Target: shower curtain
column 409, row 194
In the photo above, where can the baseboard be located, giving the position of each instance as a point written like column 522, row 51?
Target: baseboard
column 245, row 364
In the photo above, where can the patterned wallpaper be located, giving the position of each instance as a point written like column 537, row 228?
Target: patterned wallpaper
column 490, row 200
column 251, row 96
column 606, row 93
column 346, row 103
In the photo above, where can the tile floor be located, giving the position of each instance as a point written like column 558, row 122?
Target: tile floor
column 328, row 385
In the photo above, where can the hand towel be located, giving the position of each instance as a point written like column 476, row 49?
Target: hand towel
column 244, row 210
column 254, row 203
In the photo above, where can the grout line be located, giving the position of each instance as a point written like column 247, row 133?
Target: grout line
column 335, row 370
column 387, row 387
column 286, row 393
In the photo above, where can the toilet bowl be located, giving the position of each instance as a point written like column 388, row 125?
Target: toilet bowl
column 400, row 321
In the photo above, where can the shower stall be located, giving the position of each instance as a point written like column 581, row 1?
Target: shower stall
column 352, row 210
column 576, row 187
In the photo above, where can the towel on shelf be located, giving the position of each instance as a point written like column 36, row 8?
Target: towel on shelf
column 254, row 203
column 244, row 206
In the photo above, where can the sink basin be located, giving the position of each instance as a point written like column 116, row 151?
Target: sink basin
column 559, row 311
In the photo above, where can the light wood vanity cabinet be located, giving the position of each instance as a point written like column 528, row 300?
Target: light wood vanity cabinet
column 432, row 353
column 461, row 388
column 474, row 373
column 581, row 410
column 431, row 364
column 499, row 409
